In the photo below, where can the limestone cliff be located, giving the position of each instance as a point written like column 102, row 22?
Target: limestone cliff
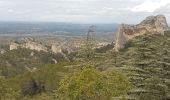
column 152, row 24
column 29, row 44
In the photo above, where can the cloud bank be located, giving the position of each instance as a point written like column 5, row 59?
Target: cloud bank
column 82, row 11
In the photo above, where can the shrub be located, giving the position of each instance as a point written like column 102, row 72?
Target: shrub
column 91, row 84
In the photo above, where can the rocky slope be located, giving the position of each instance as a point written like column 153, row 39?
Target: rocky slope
column 146, row 61
column 152, row 24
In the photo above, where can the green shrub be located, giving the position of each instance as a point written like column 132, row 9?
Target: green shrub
column 91, row 84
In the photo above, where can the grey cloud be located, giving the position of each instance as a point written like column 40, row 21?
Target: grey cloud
column 165, row 9
column 74, row 10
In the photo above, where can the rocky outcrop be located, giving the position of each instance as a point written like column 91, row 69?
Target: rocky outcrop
column 56, row 49
column 152, row 24
column 14, row 45
column 29, row 44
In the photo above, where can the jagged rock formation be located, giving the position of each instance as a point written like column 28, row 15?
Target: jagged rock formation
column 29, row 44
column 152, row 24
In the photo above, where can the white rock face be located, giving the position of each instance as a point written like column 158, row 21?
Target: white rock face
column 56, row 49
column 155, row 24
column 152, row 24
column 13, row 46
column 29, row 44
column 33, row 45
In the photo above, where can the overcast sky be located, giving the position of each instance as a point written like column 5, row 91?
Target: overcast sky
column 83, row 11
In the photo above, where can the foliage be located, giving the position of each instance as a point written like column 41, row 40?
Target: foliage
column 91, row 84
column 21, row 60
column 145, row 58
column 104, row 49
column 156, row 90
column 32, row 87
column 43, row 81
column 7, row 93
column 145, row 61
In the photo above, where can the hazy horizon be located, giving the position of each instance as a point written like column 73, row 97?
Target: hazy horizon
column 82, row 11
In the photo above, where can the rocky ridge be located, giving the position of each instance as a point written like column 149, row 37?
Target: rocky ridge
column 30, row 43
column 152, row 24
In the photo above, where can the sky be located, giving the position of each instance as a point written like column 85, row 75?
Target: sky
column 83, row 11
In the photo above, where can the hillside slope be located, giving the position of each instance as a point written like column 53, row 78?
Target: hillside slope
column 146, row 61
column 22, row 60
